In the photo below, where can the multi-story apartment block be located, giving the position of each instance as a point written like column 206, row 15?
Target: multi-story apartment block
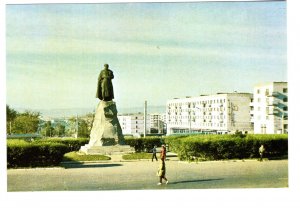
column 133, row 124
column 157, row 123
column 219, row 113
column 269, row 108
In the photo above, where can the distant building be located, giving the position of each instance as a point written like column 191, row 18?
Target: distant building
column 157, row 123
column 269, row 108
column 133, row 124
column 220, row 114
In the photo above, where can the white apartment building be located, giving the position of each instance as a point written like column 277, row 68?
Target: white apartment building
column 220, row 113
column 133, row 124
column 269, row 108
column 157, row 122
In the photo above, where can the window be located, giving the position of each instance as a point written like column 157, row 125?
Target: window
column 258, row 91
column 267, row 92
column 285, row 108
column 285, row 90
column 258, row 100
column 285, row 99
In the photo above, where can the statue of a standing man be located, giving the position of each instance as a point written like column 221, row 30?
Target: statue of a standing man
column 105, row 89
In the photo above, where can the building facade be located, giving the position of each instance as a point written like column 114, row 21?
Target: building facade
column 220, row 114
column 157, row 123
column 133, row 124
column 269, row 108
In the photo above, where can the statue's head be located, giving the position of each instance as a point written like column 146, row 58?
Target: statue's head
column 106, row 66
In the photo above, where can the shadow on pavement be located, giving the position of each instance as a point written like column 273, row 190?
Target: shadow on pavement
column 91, row 165
column 195, row 181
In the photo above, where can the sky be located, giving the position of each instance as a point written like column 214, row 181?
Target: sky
column 157, row 51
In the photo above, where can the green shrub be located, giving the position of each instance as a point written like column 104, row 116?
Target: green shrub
column 143, row 144
column 23, row 154
column 77, row 156
column 217, row 147
column 73, row 144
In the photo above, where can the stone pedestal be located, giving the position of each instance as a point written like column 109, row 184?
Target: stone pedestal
column 106, row 135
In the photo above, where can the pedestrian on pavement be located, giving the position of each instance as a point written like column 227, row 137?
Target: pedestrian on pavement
column 261, row 151
column 161, row 173
column 154, row 153
column 163, row 152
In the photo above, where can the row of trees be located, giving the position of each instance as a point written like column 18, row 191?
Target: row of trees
column 21, row 123
column 75, row 127
column 30, row 123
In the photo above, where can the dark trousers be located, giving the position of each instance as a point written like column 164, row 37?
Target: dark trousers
column 154, row 156
column 162, row 177
column 261, row 156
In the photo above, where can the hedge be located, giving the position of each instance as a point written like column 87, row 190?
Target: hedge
column 73, row 144
column 143, row 144
column 23, row 154
column 218, row 147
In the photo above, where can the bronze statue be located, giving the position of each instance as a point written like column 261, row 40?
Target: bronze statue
column 105, row 89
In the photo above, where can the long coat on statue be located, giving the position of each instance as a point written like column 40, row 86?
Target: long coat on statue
column 105, row 89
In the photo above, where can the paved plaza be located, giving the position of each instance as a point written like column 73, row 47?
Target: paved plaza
column 118, row 174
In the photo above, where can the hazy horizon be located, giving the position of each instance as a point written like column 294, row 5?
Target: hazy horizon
column 70, row 112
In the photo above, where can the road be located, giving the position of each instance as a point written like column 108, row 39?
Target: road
column 137, row 175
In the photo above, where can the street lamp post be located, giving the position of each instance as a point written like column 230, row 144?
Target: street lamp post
column 190, row 121
column 145, row 118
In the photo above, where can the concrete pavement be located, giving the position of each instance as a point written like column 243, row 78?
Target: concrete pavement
column 118, row 174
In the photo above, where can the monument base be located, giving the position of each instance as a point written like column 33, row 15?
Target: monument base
column 106, row 150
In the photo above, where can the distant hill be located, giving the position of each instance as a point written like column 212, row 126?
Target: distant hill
column 69, row 112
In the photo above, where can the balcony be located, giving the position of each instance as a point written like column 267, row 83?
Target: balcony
column 274, row 103
column 273, row 111
column 273, row 94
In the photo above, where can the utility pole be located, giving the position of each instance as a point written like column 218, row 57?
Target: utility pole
column 190, row 121
column 145, row 118
column 76, row 126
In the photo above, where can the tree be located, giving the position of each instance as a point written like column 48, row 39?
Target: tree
column 83, row 130
column 11, row 115
column 59, row 130
column 25, row 123
column 47, row 129
column 71, row 127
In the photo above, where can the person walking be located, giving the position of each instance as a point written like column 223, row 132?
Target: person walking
column 261, row 151
column 161, row 173
column 154, row 153
column 163, row 152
